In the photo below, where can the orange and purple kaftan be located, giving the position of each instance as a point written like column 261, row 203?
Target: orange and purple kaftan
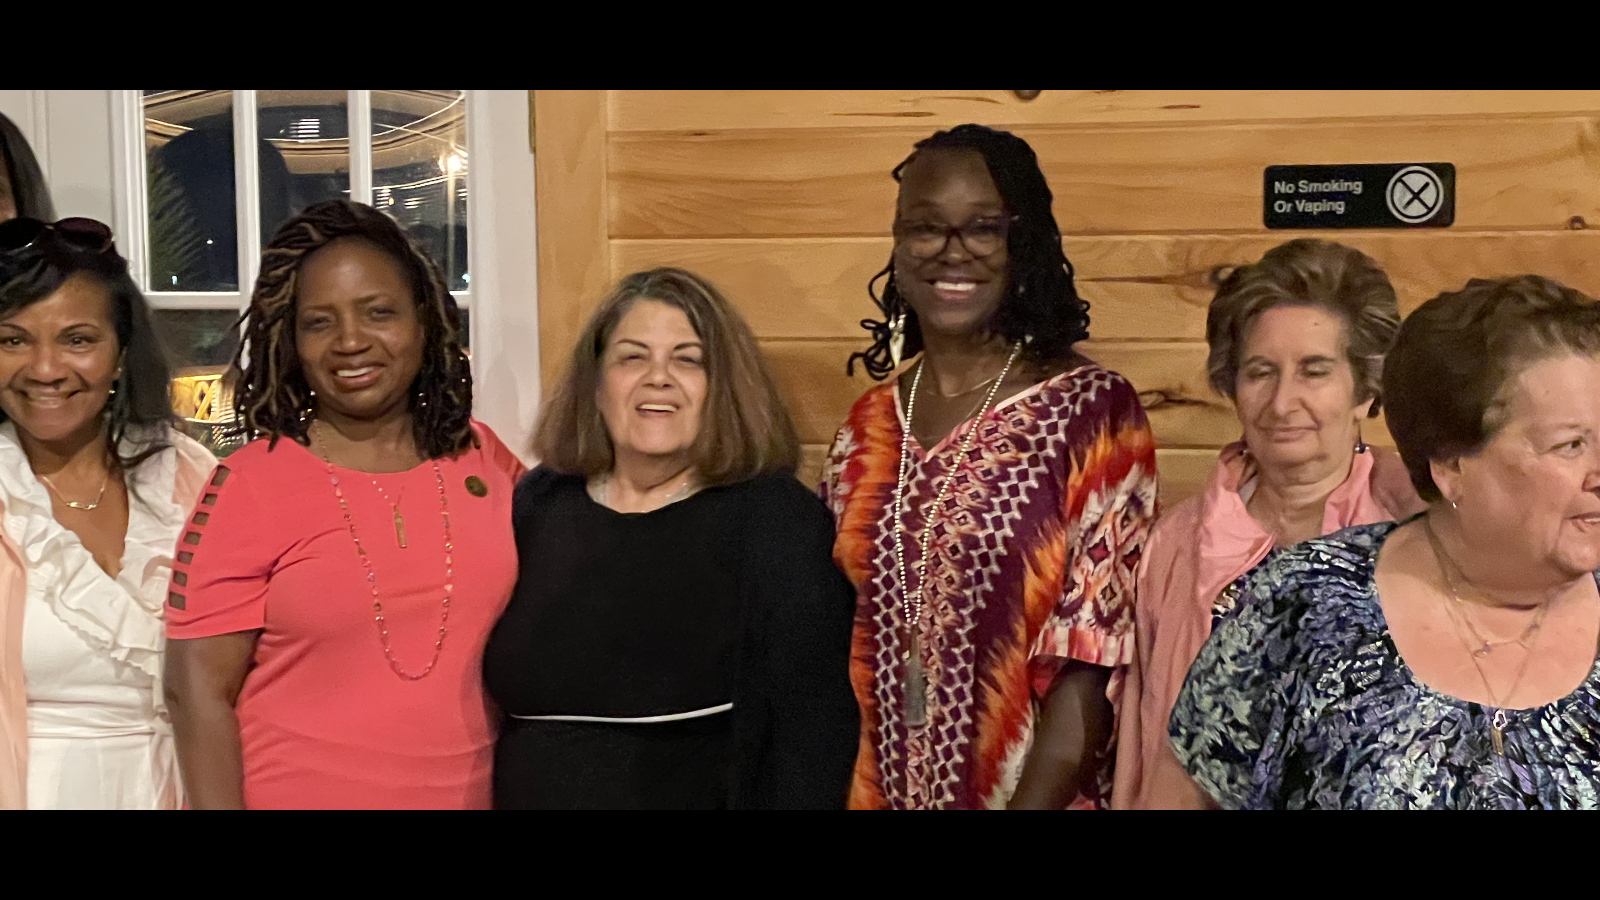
column 1032, row 561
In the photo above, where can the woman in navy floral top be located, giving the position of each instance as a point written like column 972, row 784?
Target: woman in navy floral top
column 1450, row 661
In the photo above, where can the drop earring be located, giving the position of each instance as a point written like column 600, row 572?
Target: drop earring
column 422, row 399
column 310, row 410
column 1361, row 445
column 897, row 339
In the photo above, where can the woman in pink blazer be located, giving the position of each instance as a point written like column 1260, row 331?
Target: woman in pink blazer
column 1297, row 343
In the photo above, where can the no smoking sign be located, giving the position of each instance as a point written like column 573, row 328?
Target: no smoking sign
column 1370, row 195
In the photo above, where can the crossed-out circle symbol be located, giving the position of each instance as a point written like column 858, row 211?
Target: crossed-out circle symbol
column 1415, row 194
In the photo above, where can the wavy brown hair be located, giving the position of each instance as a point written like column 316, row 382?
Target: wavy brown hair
column 270, row 390
column 744, row 429
column 1307, row 272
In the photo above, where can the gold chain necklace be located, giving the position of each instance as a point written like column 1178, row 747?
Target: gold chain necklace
column 1457, row 615
column 600, row 492
column 916, row 685
column 965, row 391
column 1484, row 646
column 76, row 504
column 372, row 577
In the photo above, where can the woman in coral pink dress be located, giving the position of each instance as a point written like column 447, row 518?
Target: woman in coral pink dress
column 338, row 579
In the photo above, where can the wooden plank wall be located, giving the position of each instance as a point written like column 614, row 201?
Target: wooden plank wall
column 784, row 199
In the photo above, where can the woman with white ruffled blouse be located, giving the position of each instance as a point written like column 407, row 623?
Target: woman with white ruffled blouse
column 95, row 486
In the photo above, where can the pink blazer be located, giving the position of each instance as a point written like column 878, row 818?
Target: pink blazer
column 1198, row 548
column 194, row 465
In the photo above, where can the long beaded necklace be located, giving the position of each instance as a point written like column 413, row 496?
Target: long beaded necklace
column 372, row 577
column 911, row 605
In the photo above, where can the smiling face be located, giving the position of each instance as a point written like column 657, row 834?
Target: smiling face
column 1295, row 390
column 357, row 332
column 953, row 292
column 652, row 385
column 1533, row 492
column 59, row 358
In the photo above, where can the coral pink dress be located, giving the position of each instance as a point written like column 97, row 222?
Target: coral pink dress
column 324, row 722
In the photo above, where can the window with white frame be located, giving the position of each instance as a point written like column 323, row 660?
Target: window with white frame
column 209, row 175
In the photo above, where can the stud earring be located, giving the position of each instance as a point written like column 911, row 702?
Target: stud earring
column 897, row 339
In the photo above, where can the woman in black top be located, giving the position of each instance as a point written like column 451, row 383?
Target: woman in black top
column 679, row 636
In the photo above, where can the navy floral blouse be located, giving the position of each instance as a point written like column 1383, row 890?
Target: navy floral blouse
column 1300, row 701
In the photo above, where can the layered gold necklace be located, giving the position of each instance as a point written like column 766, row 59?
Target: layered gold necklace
column 1478, row 646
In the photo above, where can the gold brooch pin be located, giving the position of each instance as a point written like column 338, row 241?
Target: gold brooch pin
column 476, row 487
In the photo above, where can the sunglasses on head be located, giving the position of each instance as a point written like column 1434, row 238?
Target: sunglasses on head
column 77, row 233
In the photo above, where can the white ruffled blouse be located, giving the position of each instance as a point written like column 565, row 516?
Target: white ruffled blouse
column 92, row 644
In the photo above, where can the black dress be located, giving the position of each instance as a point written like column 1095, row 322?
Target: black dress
column 728, row 596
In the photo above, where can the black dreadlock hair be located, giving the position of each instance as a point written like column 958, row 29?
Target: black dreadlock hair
column 270, row 390
column 1040, row 305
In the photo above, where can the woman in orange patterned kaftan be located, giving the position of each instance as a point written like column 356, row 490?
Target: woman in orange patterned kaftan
column 991, row 502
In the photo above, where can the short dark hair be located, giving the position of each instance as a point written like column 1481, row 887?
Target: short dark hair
column 1307, row 272
column 1446, row 379
column 745, row 430
column 28, row 188
column 1041, row 305
column 141, row 408
column 270, row 390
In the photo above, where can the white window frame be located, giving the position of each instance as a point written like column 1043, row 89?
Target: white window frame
column 133, row 214
column 501, row 297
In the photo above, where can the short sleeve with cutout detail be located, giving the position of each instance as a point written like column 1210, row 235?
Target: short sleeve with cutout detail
column 223, row 560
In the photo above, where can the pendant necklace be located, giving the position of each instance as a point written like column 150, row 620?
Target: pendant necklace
column 372, row 576
column 79, row 504
column 394, row 510
column 1482, row 646
column 1477, row 647
column 911, row 605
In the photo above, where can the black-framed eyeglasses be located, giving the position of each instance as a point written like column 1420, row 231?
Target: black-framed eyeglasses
column 983, row 236
column 77, row 233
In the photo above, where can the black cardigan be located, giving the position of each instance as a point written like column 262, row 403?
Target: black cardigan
column 795, row 721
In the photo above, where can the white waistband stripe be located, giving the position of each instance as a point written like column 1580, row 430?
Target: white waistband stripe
column 639, row 720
